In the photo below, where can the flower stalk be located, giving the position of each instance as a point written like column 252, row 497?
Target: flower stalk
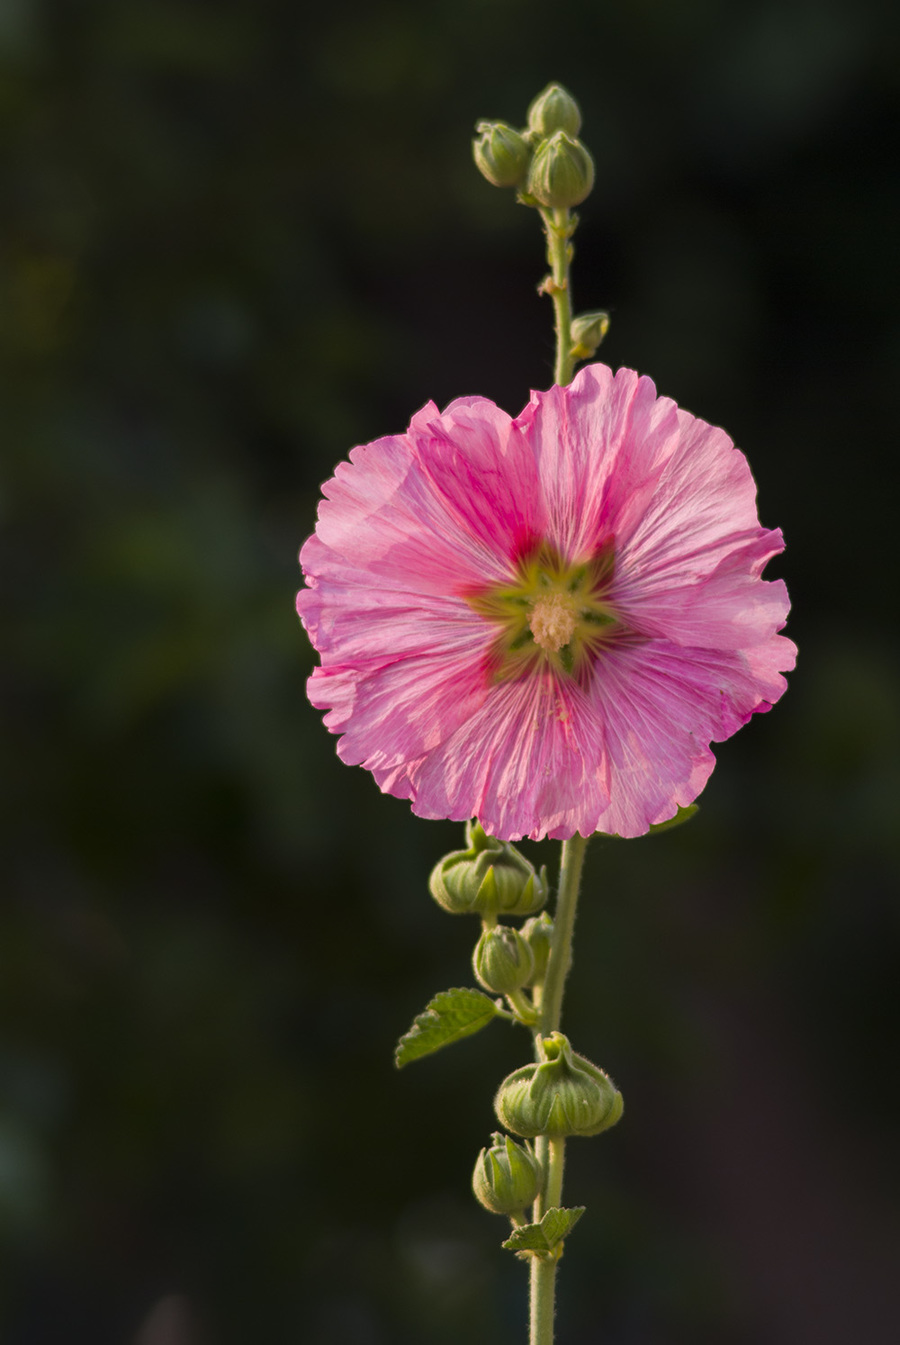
column 551, row 1153
column 559, row 225
column 560, row 960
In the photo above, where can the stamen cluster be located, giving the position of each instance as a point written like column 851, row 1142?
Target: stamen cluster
column 554, row 614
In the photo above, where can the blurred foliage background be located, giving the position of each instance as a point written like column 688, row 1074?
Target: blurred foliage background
column 235, row 242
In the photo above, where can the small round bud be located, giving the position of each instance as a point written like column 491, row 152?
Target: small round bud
column 507, row 1176
column 561, row 172
column 588, row 330
column 538, row 931
column 490, row 878
column 502, row 960
column 554, row 110
column 501, row 154
column 562, row 1095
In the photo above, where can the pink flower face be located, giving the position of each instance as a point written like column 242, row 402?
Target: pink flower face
column 544, row 622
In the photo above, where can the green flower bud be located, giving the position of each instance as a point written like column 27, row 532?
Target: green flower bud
column 562, row 1095
column 554, row 110
column 539, row 933
column 501, row 154
column 561, row 172
column 507, row 1176
column 503, row 961
column 588, row 330
column 490, row 878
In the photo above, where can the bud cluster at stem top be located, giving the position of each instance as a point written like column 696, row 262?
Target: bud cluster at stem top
column 546, row 161
column 489, row 878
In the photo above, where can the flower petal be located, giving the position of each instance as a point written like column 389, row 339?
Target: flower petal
column 413, row 522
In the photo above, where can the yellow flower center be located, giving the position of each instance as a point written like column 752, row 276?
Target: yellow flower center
column 553, row 614
column 553, row 621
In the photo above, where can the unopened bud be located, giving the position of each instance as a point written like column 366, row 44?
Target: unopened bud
column 490, row 878
column 554, row 110
column 561, row 172
column 538, row 931
column 502, row 960
column 562, row 1095
column 501, row 154
column 588, row 330
column 507, row 1176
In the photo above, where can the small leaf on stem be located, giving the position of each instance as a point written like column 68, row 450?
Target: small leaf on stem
column 548, row 1234
column 450, row 1016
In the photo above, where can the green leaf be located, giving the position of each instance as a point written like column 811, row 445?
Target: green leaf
column 545, row 1236
column 558, row 1224
column 683, row 815
column 450, row 1016
column 527, row 1238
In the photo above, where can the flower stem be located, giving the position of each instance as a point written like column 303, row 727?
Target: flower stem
column 542, row 1300
column 523, row 1007
column 552, row 1152
column 559, row 226
column 560, row 959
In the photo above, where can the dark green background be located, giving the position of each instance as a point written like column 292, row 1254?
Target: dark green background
column 235, row 242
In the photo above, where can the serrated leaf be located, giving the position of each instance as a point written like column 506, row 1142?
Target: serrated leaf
column 558, row 1223
column 450, row 1016
column 548, row 1234
column 528, row 1238
column 683, row 815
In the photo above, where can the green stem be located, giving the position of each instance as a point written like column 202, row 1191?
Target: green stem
column 542, row 1300
column 523, row 1006
column 555, row 1165
column 560, row 959
column 543, row 1270
column 552, row 1152
column 558, row 227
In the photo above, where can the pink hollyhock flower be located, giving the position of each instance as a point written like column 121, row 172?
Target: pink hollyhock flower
column 544, row 622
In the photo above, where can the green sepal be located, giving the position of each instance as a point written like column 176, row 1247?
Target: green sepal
column 560, row 1094
column 450, row 1016
column 548, row 1234
column 683, row 815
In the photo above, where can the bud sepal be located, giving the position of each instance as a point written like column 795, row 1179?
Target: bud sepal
column 538, row 931
column 561, row 173
column 588, row 331
column 490, row 878
column 562, row 1095
column 507, row 1176
column 554, row 109
column 503, row 960
column 500, row 153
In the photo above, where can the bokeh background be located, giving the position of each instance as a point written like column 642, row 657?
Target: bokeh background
column 236, row 240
